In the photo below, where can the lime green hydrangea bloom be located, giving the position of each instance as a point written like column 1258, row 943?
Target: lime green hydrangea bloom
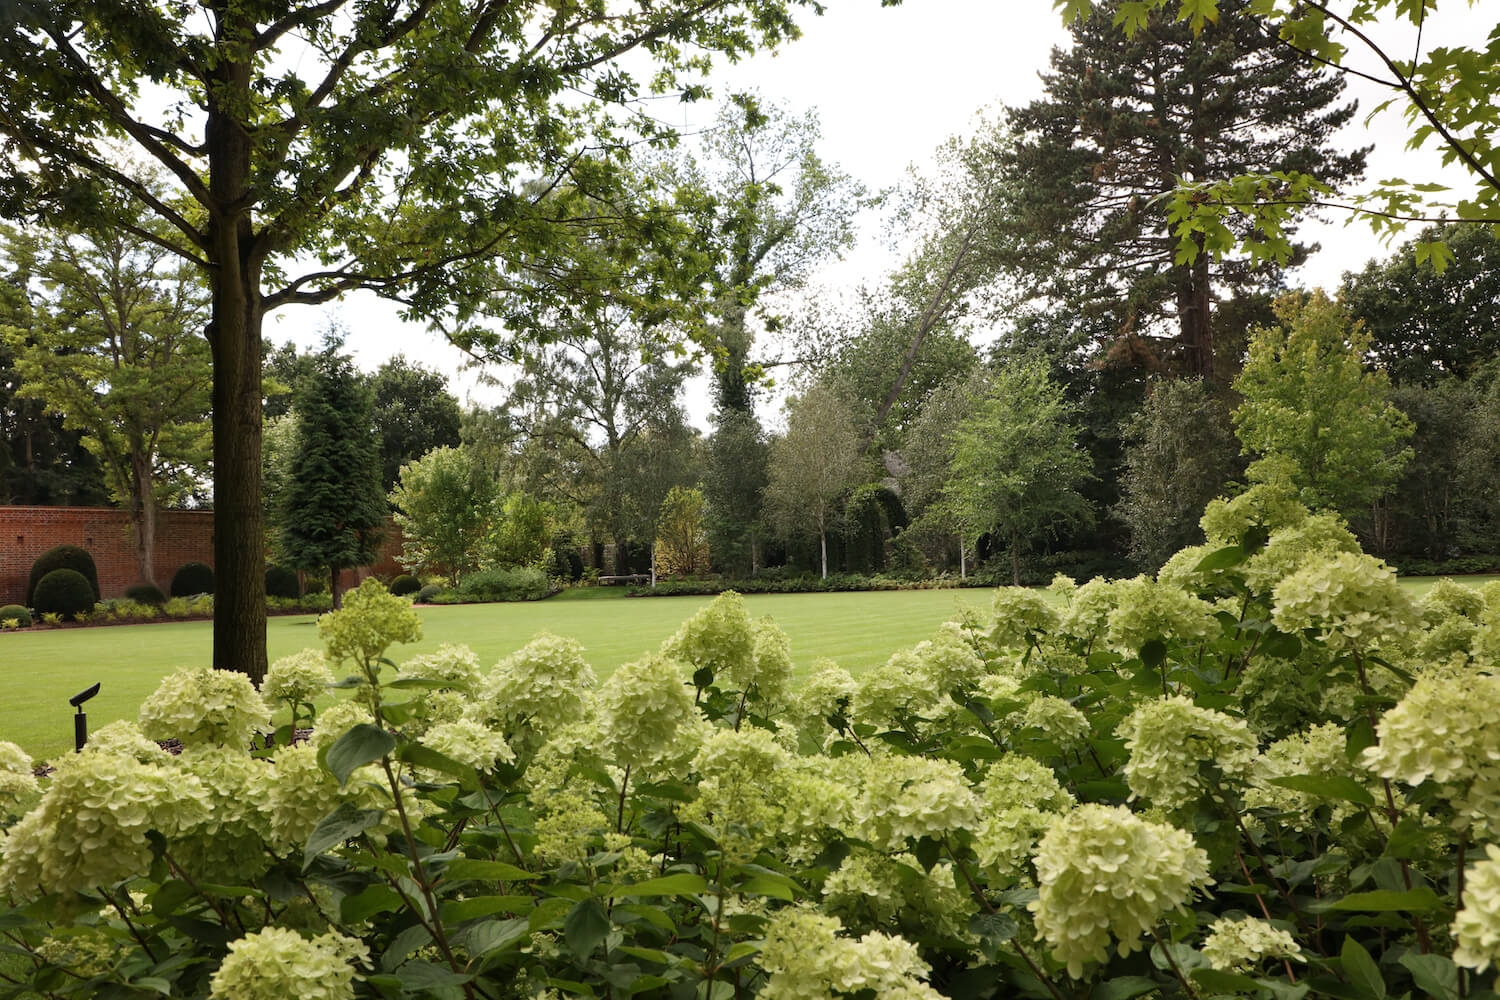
column 948, row 661
column 1270, row 505
column 719, row 638
column 124, row 738
column 200, row 705
column 471, row 743
column 1319, row 751
column 1020, row 797
column 1171, row 738
column 16, row 778
column 873, row 891
column 897, row 685
column 828, row 689
column 1104, row 872
column 1476, row 929
column 1288, row 548
column 1063, row 724
column 277, row 963
column 808, row 960
column 1087, row 614
column 1448, row 598
column 370, row 622
column 1352, row 600
column 1022, row 617
column 1145, row 610
column 544, row 684
column 773, row 660
column 1241, row 945
column 640, row 709
column 912, row 797
column 299, row 792
column 90, row 827
column 741, row 787
column 455, row 664
column 297, row 679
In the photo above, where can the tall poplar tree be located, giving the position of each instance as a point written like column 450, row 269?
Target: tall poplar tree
column 1123, row 120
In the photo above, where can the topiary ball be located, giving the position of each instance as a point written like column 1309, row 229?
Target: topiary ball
column 282, row 582
column 15, row 613
column 405, row 584
column 427, row 593
column 192, row 578
column 64, row 592
column 146, row 593
column 62, row 557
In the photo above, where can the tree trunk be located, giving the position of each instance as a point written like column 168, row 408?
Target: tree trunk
column 653, row 564
column 1015, row 559
column 1194, row 313
column 963, row 562
column 823, row 545
column 143, row 521
column 234, row 334
column 333, row 588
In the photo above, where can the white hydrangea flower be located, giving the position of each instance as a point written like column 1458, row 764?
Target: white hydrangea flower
column 1064, row 724
column 1088, row 611
column 719, row 638
column 1353, row 600
column 207, row 706
column 1022, row 617
column 948, row 662
column 808, row 960
column 823, row 692
column 277, row 963
column 297, row 679
column 909, row 797
column 1446, row 729
column 1476, row 929
column 898, row 684
column 1288, row 548
column 640, row 708
column 544, row 682
column 124, row 738
column 773, row 660
column 370, row 622
column 16, row 778
column 471, row 743
column 1104, row 872
column 1240, row 945
column 1169, row 739
column 1320, row 751
column 1145, row 610
column 455, row 664
column 1020, row 798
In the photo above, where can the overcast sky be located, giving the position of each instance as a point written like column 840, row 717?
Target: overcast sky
column 889, row 85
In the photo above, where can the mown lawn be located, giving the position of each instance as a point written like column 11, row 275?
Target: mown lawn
column 42, row 668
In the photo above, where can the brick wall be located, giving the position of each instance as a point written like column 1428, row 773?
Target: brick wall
column 181, row 536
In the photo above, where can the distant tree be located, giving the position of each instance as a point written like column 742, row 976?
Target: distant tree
column 414, row 413
column 1427, row 324
column 442, row 504
column 1124, row 117
column 282, row 370
column 41, row 460
column 518, row 527
column 116, row 348
column 681, row 545
column 734, row 479
column 1312, row 411
column 278, row 447
column 333, row 510
column 813, row 465
column 1180, row 453
column 1016, row 464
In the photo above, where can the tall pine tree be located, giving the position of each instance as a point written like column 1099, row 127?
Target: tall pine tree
column 1123, row 118
column 334, row 509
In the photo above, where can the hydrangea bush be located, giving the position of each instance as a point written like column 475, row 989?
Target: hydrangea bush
column 1265, row 773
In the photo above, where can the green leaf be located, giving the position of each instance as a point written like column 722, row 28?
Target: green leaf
column 1360, row 969
column 679, row 884
column 1154, row 654
column 489, row 936
column 1224, row 982
column 585, row 926
column 344, row 823
column 1229, row 555
column 775, row 886
column 415, row 753
column 1379, row 900
column 373, row 899
column 483, row 906
column 1327, row 786
column 1434, row 974
column 356, row 748
column 1123, row 988
column 419, row 976
column 488, row 871
column 650, row 914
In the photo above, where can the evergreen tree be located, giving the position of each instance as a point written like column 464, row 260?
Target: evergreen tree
column 334, row 509
column 1123, row 119
column 414, row 413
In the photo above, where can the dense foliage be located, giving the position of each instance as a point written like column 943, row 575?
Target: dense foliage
column 1266, row 772
column 63, row 557
column 64, row 592
column 192, row 578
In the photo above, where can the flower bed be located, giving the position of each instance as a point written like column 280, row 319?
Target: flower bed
column 1268, row 772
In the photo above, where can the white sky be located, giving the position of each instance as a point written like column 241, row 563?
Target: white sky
column 890, row 84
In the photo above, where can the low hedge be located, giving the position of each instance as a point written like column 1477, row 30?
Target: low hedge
column 521, row 584
column 14, row 613
column 192, row 578
column 1459, row 566
column 405, row 584
column 62, row 557
column 780, row 584
column 146, row 593
column 65, row 592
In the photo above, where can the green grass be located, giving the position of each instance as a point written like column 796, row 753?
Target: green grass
column 44, row 667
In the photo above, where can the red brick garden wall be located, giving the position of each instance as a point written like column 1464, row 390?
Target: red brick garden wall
column 181, row 536
column 26, row 532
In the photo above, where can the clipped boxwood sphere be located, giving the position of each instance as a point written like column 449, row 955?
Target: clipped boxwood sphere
column 62, row 557
column 282, row 582
column 64, row 592
column 146, row 593
column 427, row 593
column 192, row 578
column 15, row 613
column 405, row 584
